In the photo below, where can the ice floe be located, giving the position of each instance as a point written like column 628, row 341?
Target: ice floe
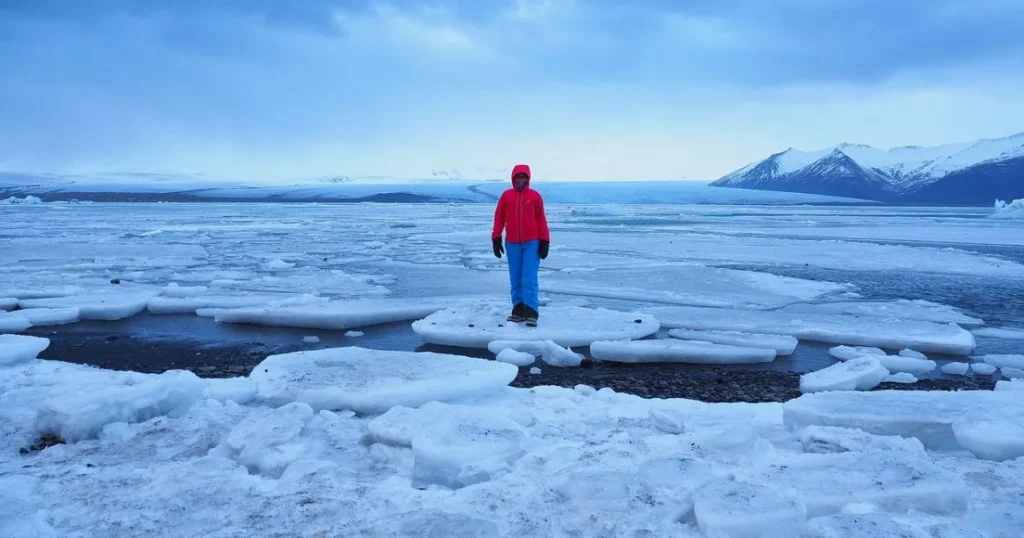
column 783, row 345
column 477, row 326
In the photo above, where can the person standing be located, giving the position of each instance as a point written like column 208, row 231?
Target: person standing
column 520, row 213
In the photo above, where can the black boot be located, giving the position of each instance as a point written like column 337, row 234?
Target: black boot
column 517, row 313
column 531, row 316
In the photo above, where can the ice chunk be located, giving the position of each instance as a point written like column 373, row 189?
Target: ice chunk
column 834, row 440
column 864, row 373
column 353, row 334
column 279, row 264
column 955, row 368
column 902, row 377
column 1004, row 361
column 16, row 348
column 537, row 371
column 1011, row 373
column 991, row 438
column 896, row 364
column 268, row 442
column 333, row 315
column 897, row 481
column 911, row 354
column 741, row 510
column 7, row 303
column 550, row 352
column 902, row 309
column 783, row 345
column 100, row 306
column 859, row 526
column 371, row 381
column 517, row 358
column 462, row 449
column 174, row 290
column 47, row 317
column 1003, row 210
column 11, row 323
column 191, row 305
column 311, row 339
column 1010, row 385
column 846, row 353
column 992, row 332
column 397, row 426
column 981, row 368
column 475, row 327
column 667, row 350
column 926, row 415
column 881, row 332
column 79, row 416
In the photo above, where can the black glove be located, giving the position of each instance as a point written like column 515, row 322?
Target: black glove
column 543, row 251
column 498, row 248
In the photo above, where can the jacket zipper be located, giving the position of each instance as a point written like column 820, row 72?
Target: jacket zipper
column 519, row 214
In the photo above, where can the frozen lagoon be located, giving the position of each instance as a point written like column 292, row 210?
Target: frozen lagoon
column 498, row 461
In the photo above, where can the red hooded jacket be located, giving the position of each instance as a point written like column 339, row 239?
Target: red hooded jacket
column 521, row 213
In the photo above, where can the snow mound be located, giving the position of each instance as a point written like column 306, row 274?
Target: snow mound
column 678, row 351
column 15, row 349
column 514, row 357
column 835, row 440
column 926, row 415
column 47, row 317
column 741, row 510
column 476, row 327
column 331, row 316
column 880, row 332
column 956, row 368
column 99, row 306
column 83, row 415
column 462, row 449
column 981, row 368
column 783, row 345
column 1008, row 210
column 993, row 332
column 991, row 438
column 1003, row 361
column 902, row 377
column 863, row 373
column 548, row 351
column 370, row 381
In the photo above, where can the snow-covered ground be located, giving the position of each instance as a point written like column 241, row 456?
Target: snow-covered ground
column 353, row 441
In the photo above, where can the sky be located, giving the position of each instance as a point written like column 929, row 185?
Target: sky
column 281, row 90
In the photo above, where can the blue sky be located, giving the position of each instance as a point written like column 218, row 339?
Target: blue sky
column 277, row 90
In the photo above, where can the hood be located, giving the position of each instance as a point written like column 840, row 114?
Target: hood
column 521, row 169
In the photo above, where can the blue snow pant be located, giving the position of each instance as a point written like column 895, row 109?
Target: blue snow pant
column 523, row 265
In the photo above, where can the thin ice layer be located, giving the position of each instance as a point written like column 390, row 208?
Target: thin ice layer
column 837, row 329
column 993, row 332
column 371, row 381
column 783, row 345
column 926, row 415
column 902, row 309
column 675, row 284
column 671, row 350
column 863, row 373
column 17, row 348
column 477, row 326
column 333, row 316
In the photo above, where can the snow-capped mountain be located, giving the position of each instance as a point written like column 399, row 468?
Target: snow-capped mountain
column 969, row 173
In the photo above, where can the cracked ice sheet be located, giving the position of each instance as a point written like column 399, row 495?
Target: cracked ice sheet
column 836, row 329
column 577, row 461
column 829, row 254
column 691, row 285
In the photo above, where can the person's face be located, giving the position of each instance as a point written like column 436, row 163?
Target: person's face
column 521, row 181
